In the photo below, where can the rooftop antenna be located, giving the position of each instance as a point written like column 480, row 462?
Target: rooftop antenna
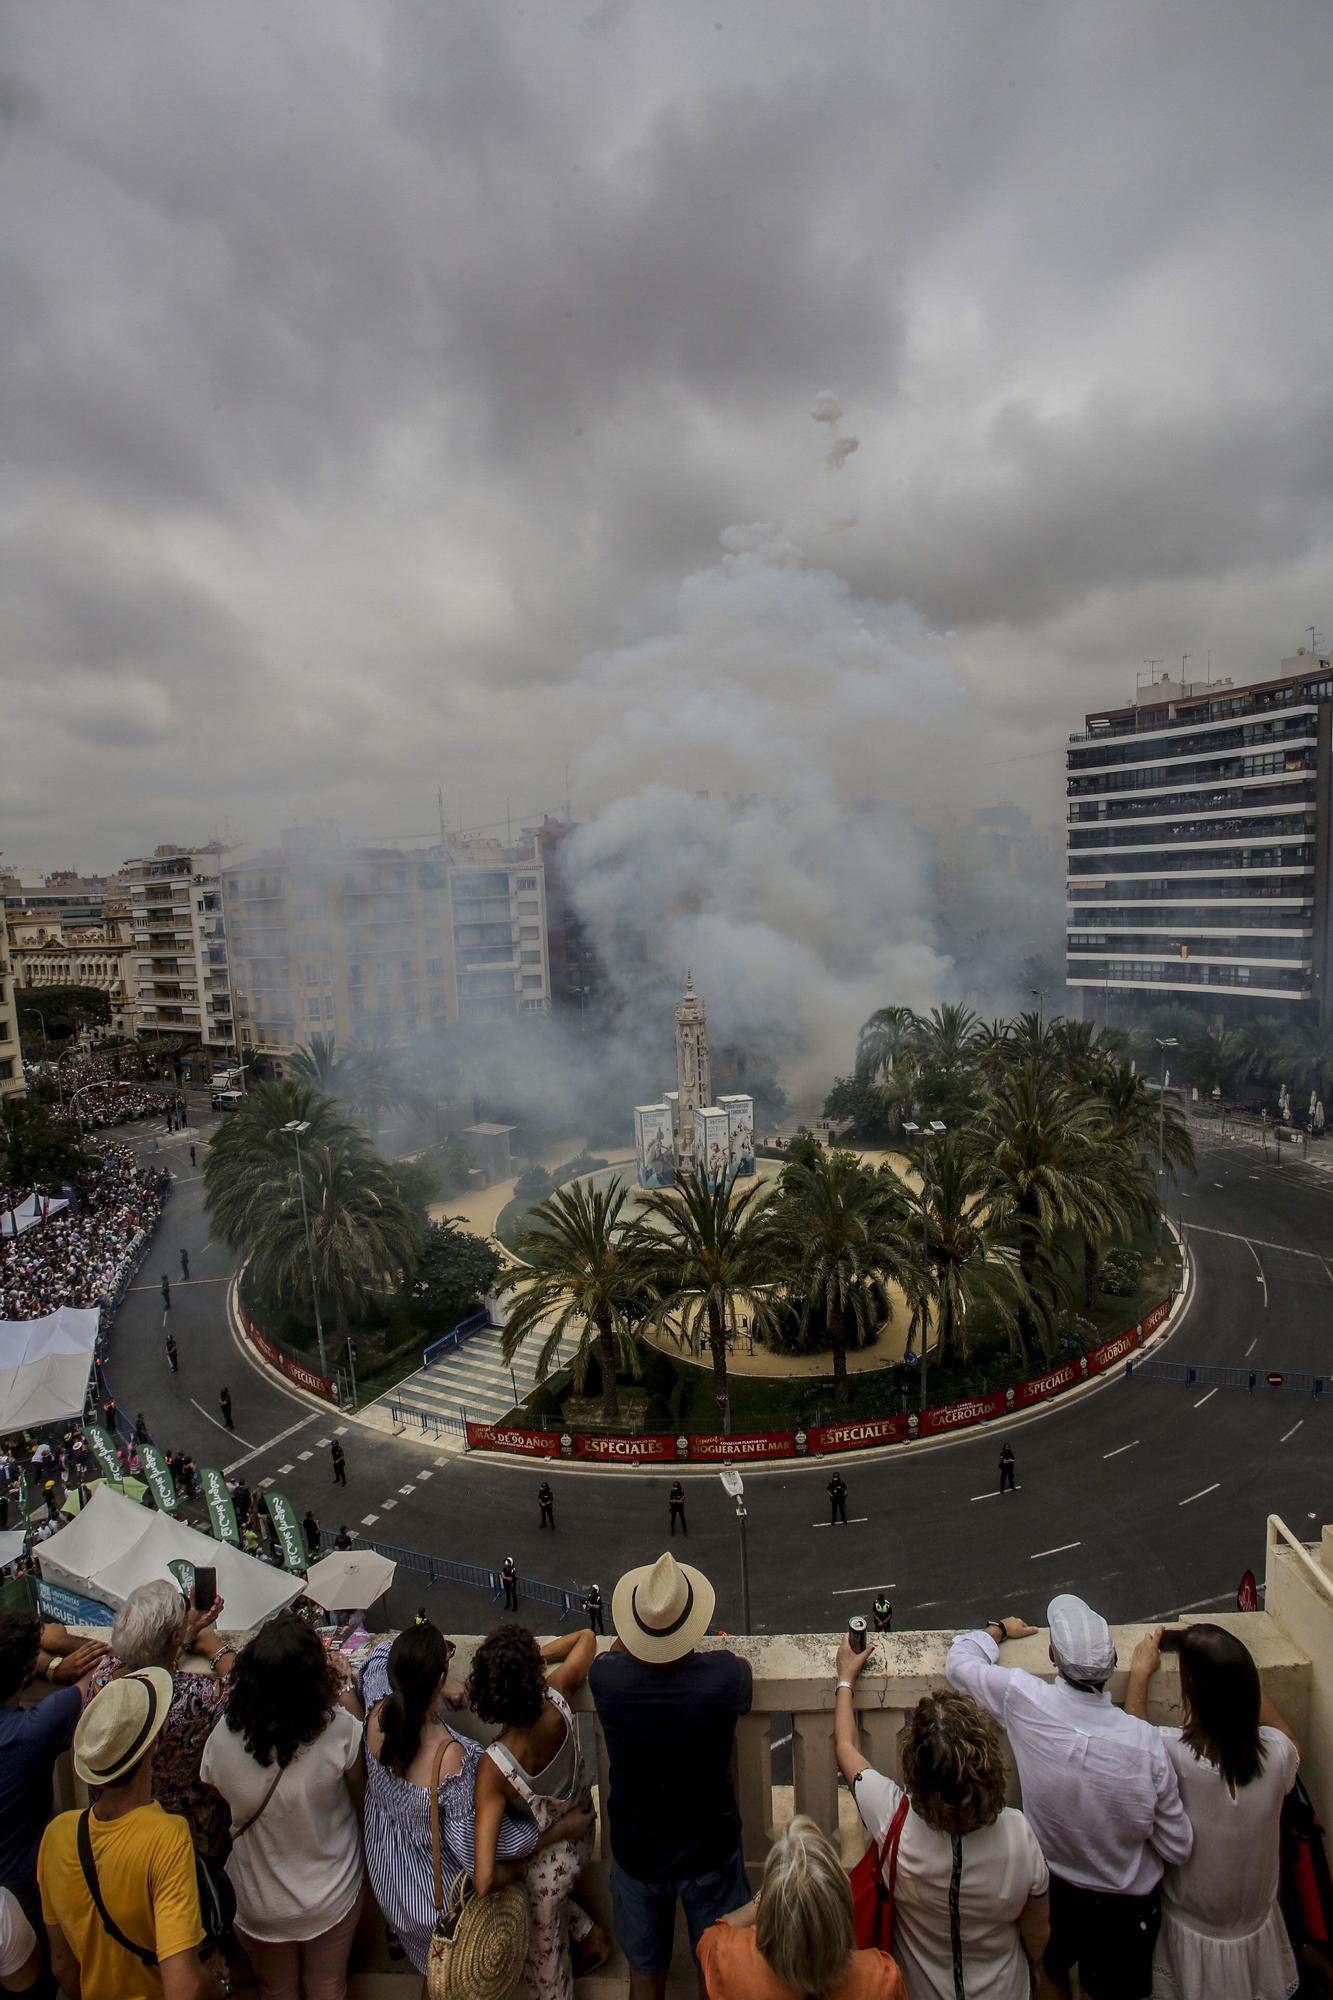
column 1152, row 666
column 1311, row 630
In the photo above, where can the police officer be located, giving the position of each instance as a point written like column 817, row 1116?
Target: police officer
column 837, row 1493
column 166, row 1291
column 676, row 1507
column 171, row 1355
column 1007, row 1469
column 546, row 1502
column 339, row 1458
column 509, row 1578
column 883, row 1611
column 592, row 1609
column 421, row 1618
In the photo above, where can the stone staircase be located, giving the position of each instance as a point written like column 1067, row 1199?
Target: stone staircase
column 471, row 1379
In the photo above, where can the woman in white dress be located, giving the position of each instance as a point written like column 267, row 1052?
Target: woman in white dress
column 1222, row 1935
column 970, row 1911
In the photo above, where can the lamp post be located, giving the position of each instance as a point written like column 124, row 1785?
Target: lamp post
column 735, row 1486
column 1039, row 995
column 1164, row 1042
column 296, row 1126
column 935, row 1129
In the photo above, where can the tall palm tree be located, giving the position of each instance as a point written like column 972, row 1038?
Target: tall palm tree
column 252, row 1159
column 710, row 1260
column 970, row 1261
column 374, row 1083
column 885, row 1041
column 840, row 1235
column 587, row 1274
column 319, row 1062
column 943, row 1037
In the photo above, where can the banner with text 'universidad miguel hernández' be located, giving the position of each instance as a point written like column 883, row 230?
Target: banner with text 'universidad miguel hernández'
column 221, row 1513
column 283, row 1516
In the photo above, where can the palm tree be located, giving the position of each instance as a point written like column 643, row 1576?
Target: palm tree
column 970, row 1262
column 885, row 1041
column 710, row 1258
column 944, row 1037
column 252, row 1159
column 319, row 1062
column 374, row 1083
column 587, row 1271
column 1307, row 1052
column 840, row 1235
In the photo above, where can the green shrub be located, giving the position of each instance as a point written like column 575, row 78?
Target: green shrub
column 1121, row 1274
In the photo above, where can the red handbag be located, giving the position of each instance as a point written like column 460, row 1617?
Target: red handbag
column 872, row 1896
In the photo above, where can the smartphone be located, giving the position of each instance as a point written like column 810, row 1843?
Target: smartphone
column 856, row 1634
column 1171, row 1638
column 205, row 1589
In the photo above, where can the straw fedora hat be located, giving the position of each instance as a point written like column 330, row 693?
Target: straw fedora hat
column 661, row 1611
column 120, row 1724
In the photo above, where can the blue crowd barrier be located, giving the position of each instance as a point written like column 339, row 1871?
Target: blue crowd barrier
column 454, row 1339
column 1204, row 1375
column 474, row 1576
column 431, row 1423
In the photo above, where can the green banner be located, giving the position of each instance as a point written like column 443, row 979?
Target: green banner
column 221, row 1513
column 104, row 1451
column 283, row 1516
column 158, row 1475
column 184, row 1574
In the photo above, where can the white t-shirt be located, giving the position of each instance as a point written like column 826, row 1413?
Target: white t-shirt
column 1002, row 1868
column 17, row 1941
column 297, row 1872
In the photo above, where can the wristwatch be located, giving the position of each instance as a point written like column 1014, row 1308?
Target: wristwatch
column 849, row 1685
column 1000, row 1623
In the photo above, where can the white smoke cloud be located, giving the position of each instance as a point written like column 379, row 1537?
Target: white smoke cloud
column 827, row 409
column 840, row 451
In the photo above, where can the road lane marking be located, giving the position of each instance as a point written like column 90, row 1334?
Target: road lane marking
column 862, row 1589
column 218, row 1421
column 842, row 1524
column 369, row 1520
column 269, row 1443
column 1064, row 1546
column 1250, row 1349
column 1200, row 1494
column 283, row 1470
column 303, row 1455
column 407, row 1489
column 1291, row 1433
column 1205, row 1399
column 1234, row 1236
column 425, row 1475
column 388, row 1503
column 995, row 1494
column 1119, row 1448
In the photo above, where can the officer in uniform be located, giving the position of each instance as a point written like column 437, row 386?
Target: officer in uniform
column 1007, row 1469
column 837, row 1493
column 676, row 1506
column 509, row 1578
column 883, row 1612
column 546, row 1501
column 592, row 1609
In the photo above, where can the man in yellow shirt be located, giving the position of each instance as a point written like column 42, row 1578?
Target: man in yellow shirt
column 117, row 1881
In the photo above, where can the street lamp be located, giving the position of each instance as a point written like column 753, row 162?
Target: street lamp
column 1039, row 994
column 935, row 1129
column 735, row 1486
column 296, row 1126
column 1164, row 1042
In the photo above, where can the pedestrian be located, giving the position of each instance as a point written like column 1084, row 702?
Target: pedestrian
column 509, row 1578
column 224, row 1404
column 593, row 1609
column 676, row 1508
column 837, row 1494
column 668, row 1716
column 310, row 1529
column 174, row 1364
column 883, row 1608
column 421, row 1618
column 339, row 1458
column 1007, row 1469
column 342, row 1540
column 141, row 1428
column 166, row 1291
column 192, row 1157
column 1099, row 1792
column 546, row 1502
column 171, row 1123
column 185, row 1266
column 109, row 1416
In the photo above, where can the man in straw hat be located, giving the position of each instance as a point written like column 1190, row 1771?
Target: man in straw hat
column 668, row 1714
column 1099, row 1792
column 140, row 1858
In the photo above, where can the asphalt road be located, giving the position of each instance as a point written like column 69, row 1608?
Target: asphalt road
column 1146, row 1498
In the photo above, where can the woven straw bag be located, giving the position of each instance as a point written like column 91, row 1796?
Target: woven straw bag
column 479, row 1943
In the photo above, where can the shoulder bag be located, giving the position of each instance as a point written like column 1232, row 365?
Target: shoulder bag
column 479, row 1943
column 872, row 1897
column 217, row 1902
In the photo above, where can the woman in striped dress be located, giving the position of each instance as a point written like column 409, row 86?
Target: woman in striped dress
column 408, row 1685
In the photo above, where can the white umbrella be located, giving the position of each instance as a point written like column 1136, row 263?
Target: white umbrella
column 350, row 1579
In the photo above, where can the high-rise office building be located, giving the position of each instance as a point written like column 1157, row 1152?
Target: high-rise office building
column 1200, row 848
column 182, row 986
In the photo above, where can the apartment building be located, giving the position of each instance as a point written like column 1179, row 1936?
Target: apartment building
column 61, row 903
column 380, row 944
column 11, row 1060
column 102, row 960
column 181, row 983
column 1199, row 853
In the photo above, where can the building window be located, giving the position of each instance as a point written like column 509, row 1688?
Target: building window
column 528, row 909
column 435, row 968
column 525, row 882
column 530, row 957
column 529, row 930
column 533, row 979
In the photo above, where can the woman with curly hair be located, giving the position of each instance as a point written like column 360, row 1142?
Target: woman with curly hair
column 287, row 1759
column 970, row 1895
column 535, row 1763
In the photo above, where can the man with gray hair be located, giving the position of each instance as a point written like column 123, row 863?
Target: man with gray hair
column 1099, row 1792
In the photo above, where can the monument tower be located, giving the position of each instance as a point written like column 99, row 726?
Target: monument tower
column 694, row 1069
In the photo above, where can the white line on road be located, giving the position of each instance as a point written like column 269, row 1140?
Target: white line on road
column 1291, row 1433
column 407, row 1489
column 780, row 1742
column 994, row 1493
column 1234, row 1236
column 425, row 1475
column 369, row 1520
column 1250, row 1349
column 218, row 1421
column 927, row 1603
column 1119, row 1448
column 283, row 1470
column 846, row 1524
column 1200, row 1494
column 388, row 1503
column 1205, row 1399
column 1055, row 1552
column 860, row 1589
column 268, row 1445
column 1262, row 1280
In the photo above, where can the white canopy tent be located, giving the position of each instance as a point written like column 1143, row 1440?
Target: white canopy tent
column 113, row 1545
column 26, row 1215
column 44, row 1367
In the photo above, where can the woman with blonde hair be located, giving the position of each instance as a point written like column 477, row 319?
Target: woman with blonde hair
column 796, row 1937
column 970, row 1909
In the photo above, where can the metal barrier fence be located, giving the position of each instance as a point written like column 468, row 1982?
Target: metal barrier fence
column 455, row 1337
column 474, row 1576
column 431, row 1423
column 1200, row 1375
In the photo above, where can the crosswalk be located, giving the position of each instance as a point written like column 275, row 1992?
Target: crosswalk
column 473, row 1381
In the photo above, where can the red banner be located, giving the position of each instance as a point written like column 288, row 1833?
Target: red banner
column 589, row 1444
column 1111, row 1351
column 1152, row 1320
column 854, row 1435
column 1038, row 1387
column 295, row 1371
column 501, row 1437
column 956, row 1416
column 748, row 1444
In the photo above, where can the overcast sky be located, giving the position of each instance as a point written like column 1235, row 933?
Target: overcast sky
column 374, row 377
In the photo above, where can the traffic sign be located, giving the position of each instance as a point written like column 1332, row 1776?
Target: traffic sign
column 1247, row 1597
column 1274, row 1379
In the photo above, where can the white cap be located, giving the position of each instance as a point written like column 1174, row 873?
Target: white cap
column 1080, row 1640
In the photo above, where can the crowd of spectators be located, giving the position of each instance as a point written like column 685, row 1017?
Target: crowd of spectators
column 1145, row 1857
column 84, row 1254
column 102, row 1088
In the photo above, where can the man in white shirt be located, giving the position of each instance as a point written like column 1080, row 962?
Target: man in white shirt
column 1098, row 1791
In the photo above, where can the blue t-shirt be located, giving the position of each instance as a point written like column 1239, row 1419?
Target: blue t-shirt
column 669, row 1734
column 30, row 1741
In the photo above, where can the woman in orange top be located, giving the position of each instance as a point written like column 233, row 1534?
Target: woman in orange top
column 795, row 1940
